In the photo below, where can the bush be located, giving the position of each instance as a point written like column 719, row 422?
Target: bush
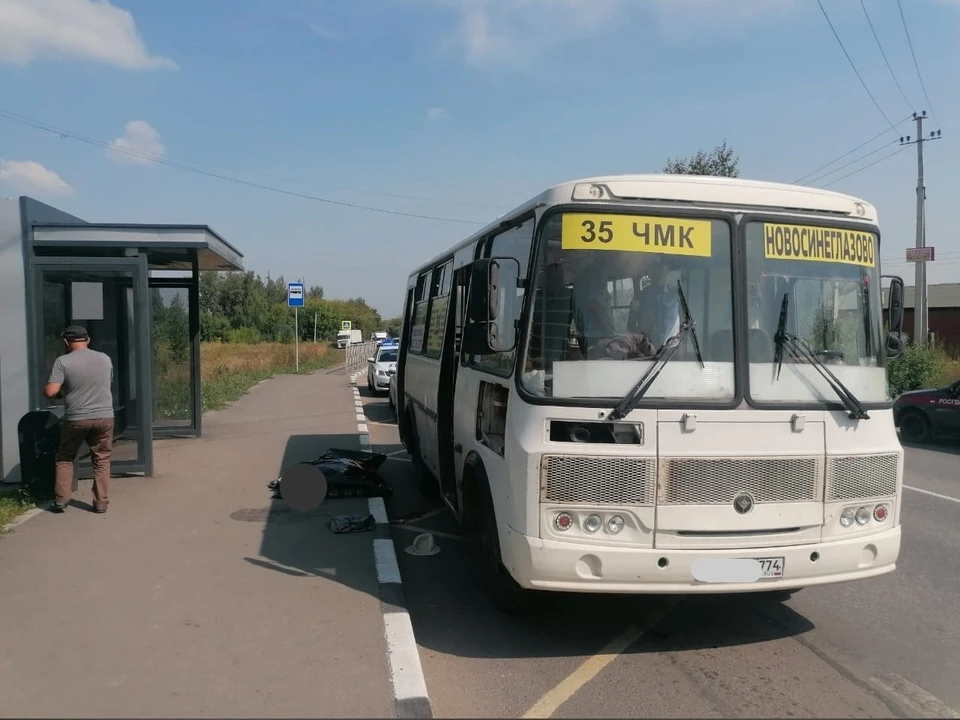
column 917, row 368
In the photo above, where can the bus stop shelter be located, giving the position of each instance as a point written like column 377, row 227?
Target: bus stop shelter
column 135, row 287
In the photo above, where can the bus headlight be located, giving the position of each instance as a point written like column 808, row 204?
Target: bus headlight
column 563, row 521
column 863, row 516
column 846, row 517
column 614, row 524
column 592, row 523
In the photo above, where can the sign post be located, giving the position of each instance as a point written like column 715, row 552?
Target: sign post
column 295, row 300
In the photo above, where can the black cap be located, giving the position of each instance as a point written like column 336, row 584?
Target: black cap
column 75, row 333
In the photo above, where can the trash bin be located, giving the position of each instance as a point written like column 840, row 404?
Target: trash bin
column 39, row 435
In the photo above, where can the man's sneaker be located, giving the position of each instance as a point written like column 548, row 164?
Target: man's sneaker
column 99, row 510
column 57, row 508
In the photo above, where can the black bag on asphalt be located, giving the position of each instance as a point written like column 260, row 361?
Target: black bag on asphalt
column 349, row 473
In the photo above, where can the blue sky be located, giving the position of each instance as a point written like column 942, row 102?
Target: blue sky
column 469, row 106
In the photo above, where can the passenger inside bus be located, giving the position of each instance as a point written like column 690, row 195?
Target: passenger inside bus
column 617, row 308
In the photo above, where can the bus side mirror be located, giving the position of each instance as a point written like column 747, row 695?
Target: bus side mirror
column 493, row 296
column 484, row 291
column 895, row 317
column 894, row 346
column 895, row 305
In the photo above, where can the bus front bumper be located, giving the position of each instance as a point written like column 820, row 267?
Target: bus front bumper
column 574, row 567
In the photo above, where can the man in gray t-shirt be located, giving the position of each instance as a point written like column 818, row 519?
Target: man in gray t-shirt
column 84, row 378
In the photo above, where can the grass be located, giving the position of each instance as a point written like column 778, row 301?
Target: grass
column 13, row 503
column 229, row 370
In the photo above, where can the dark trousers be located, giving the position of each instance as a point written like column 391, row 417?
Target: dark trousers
column 98, row 434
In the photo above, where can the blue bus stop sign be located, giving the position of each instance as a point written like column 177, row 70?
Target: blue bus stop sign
column 295, row 295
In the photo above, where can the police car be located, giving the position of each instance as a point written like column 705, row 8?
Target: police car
column 383, row 365
column 924, row 415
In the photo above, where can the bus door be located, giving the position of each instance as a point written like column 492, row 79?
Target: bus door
column 428, row 367
column 446, row 393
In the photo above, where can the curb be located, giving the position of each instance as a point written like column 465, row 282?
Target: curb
column 406, row 672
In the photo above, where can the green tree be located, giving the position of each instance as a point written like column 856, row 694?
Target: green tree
column 721, row 161
column 178, row 330
column 393, row 326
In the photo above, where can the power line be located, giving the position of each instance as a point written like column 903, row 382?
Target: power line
column 868, row 165
column 915, row 64
column 880, row 46
column 164, row 161
column 849, row 152
column 854, row 161
column 24, row 120
column 850, row 60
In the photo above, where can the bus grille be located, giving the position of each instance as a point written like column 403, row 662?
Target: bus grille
column 718, row 481
column 597, row 480
column 864, row 476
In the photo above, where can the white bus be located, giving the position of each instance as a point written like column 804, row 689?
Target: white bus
column 660, row 384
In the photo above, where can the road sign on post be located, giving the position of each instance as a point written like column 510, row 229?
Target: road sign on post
column 295, row 295
column 295, row 300
column 920, row 254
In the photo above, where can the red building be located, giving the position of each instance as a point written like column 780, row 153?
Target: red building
column 943, row 313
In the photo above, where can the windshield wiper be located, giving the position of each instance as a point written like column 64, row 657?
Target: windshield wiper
column 663, row 357
column 800, row 350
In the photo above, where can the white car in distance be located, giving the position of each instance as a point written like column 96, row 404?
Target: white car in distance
column 381, row 367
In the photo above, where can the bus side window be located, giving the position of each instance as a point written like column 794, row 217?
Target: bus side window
column 420, row 300
column 439, row 301
column 515, row 243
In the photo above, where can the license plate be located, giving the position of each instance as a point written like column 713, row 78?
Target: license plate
column 771, row 567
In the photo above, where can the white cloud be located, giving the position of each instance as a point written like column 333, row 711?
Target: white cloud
column 73, row 29
column 139, row 139
column 31, row 176
column 436, row 113
column 514, row 32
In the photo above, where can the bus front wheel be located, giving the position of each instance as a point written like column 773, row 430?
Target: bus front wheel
column 507, row 595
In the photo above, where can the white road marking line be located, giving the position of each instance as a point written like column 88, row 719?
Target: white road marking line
column 379, row 510
column 568, row 687
column 385, row 557
column 406, row 460
column 405, row 669
column 363, row 429
column 364, row 439
column 361, row 418
column 933, row 494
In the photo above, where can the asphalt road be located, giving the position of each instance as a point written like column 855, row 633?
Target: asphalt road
column 881, row 648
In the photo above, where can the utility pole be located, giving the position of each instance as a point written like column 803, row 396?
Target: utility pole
column 920, row 284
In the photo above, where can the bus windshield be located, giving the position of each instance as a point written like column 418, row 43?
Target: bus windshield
column 606, row 302
column 832, row 286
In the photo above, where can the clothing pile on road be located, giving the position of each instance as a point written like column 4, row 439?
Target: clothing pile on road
column 349, row 474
